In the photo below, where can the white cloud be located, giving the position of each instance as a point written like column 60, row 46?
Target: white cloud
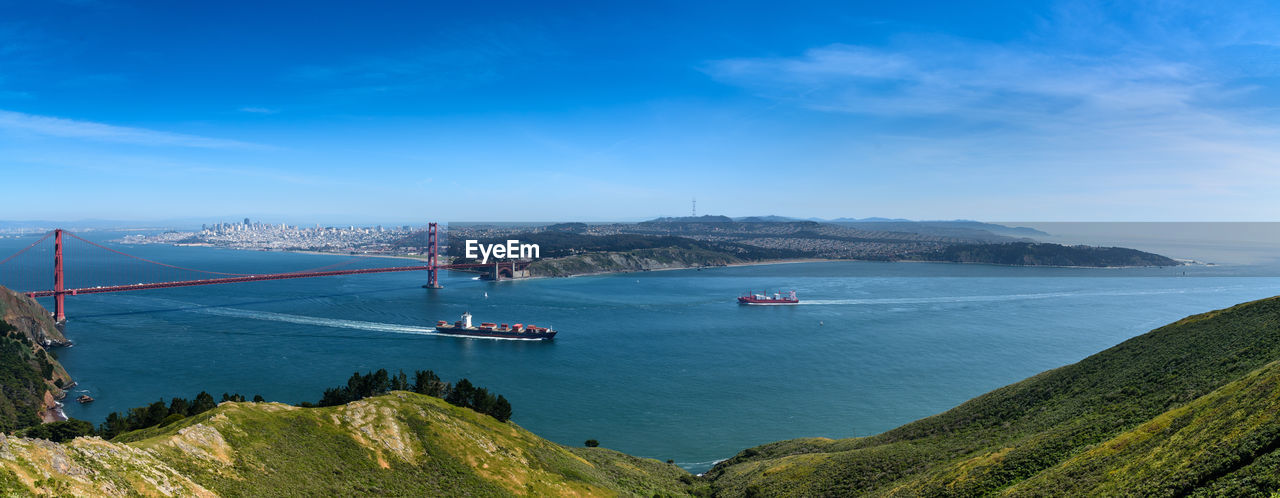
column 258, row 110
column 966, row 80
column 1142, row 108
column 88, row 130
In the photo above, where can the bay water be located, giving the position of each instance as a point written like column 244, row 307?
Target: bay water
column 657, row 364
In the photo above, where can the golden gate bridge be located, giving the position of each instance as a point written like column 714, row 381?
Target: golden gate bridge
column 58, row 289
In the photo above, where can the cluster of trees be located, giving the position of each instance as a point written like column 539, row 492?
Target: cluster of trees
column 58, row 432
column 479, row 399
column 463, row 393
column 159, row 414
column 43, row 360
column 23, row 388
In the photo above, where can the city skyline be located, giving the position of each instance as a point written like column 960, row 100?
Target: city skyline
column 326, row 112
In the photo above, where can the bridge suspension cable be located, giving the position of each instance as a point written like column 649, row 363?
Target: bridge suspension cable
column 25, row 249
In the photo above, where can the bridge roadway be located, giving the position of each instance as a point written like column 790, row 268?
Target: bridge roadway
column 247, row 278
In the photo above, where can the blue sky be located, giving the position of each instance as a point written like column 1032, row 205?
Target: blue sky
column 386, row 112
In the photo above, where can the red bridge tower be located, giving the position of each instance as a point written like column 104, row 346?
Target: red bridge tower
column 433, row 266
column 59, row 296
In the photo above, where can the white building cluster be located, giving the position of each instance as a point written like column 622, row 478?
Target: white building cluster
column 284, row 237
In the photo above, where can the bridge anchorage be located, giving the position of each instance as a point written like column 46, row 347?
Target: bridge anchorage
column 59, row 292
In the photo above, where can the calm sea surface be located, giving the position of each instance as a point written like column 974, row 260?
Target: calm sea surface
column 656, row 364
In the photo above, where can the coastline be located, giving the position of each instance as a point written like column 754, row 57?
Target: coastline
column 1122, row 267
column 1183, row 262
column 825, row 260
column 747, row 263
column 52, row 411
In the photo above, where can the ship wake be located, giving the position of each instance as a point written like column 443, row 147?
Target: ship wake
column 312, row 320
column 1006, row 297
column 338, row 323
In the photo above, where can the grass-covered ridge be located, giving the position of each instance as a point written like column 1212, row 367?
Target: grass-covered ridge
column 1223, row 444
column 399, row 444
column 1018, row 432
column 630, row 261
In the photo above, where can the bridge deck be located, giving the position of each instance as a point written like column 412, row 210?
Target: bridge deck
column 249, row 278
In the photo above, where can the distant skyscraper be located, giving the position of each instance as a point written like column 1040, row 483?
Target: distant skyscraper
column 246, row 221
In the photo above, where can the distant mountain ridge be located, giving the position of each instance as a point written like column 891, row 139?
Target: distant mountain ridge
column 706, row 218
column 955, row 228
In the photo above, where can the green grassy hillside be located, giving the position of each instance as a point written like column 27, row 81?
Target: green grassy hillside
column 1042, row 254
column 634, row 260
column 400, row 444
column 1223, row 444
column 1031, row 431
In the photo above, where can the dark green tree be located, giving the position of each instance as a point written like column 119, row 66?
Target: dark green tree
column 461, row 393
column 203, row 403
column 501, row 409
column 423, row 381
column 46, row 368
column 482, row 401
column 335, row 396
column 146, row 416
column 400, row 382
column 379, row 384
column 428, row 383
column 179, row 405
column 60, row 431
column 113, row 426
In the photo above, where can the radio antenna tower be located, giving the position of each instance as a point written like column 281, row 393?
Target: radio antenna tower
column 695, row 207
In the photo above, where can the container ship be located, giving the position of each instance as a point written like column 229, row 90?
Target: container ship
column 766, row 299
column 520, row 331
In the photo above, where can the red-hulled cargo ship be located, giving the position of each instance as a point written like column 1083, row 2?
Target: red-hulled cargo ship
column 518, row 331
column 766, row 299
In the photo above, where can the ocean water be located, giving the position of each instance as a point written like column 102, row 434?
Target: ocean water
column 655, row 364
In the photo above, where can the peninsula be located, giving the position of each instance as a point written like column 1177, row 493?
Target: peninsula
column 577, row 248
column 570, row 249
